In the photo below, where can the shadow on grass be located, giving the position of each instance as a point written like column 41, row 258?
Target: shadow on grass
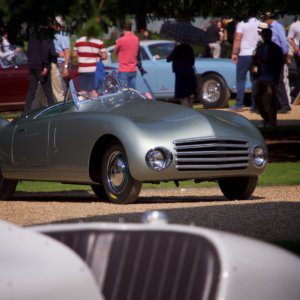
column 76, row 196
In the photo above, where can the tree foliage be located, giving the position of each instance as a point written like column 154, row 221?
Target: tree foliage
column 91, row 16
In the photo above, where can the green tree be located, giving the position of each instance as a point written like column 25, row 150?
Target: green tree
column 92, row 16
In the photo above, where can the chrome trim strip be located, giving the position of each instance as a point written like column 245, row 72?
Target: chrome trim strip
column 212, row 167
column 209, row 146
column 214, row 152
column 214, row 159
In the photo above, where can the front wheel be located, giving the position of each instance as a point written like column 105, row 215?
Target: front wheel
column 240, row 188
column 99, row 191
column 7, row 187
column 213, row 91
column 119, row 185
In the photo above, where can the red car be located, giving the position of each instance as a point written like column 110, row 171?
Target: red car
column 13, row 82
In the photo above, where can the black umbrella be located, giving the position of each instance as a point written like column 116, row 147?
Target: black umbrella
column 184, row 32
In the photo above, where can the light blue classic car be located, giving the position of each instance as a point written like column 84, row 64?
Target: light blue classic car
column 216, row 78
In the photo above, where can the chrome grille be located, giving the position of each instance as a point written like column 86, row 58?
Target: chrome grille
column 211, row 154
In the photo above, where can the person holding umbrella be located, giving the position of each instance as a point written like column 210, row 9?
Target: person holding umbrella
column 183, row 60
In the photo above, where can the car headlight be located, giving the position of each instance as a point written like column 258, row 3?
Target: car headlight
column 158, row 158
column 259, row 156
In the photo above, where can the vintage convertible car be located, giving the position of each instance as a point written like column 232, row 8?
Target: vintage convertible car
column 119, row 140
column 216, row 78
column 141, row 261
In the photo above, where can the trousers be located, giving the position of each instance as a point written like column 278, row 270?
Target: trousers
column 242, row 68
column 34, row 79
column 264, row 96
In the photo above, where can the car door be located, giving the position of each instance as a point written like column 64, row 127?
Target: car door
column 160, row 78
column 30, row 143
column 160, row 71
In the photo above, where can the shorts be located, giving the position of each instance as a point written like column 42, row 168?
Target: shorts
column 87, row 81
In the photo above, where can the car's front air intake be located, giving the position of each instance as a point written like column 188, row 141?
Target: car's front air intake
column 211, row 154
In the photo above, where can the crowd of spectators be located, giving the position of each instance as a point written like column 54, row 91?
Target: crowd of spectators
column 49, row 60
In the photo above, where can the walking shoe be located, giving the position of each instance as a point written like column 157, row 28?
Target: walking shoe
column 284, row 110
column 254, row 111
column 261, row 124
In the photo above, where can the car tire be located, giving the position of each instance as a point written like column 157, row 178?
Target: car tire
column 212, row 91
column 99, row 191
column 7, row 187
column 238, row 188
column 120, row 187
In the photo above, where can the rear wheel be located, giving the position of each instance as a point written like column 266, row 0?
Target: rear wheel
column 120, row 187
column 213, row 91
column 7, row 187
column 238, row 187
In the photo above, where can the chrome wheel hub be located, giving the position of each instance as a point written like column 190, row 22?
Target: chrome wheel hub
column 117, row 172
column 211, row 91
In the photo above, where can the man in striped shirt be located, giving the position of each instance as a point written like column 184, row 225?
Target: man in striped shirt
column 89, row 51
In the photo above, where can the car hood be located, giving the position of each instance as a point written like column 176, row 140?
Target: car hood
column 164, row 119
column 154, row 111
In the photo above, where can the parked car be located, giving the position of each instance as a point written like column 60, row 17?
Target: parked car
column 119, row 140
column 141, row 261
column 13, row 81
column 216, row 78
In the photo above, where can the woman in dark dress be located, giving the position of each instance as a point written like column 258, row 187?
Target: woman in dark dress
column 183, row 60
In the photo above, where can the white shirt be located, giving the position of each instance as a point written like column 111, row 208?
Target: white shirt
column 294, row 32
column 5, row 51
column 250, row 36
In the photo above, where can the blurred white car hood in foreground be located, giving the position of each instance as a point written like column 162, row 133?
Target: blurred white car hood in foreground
column 35, row 266
column 126, row 261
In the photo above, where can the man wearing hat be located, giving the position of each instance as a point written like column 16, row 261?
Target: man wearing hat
column 60, row 68
column 279, row 38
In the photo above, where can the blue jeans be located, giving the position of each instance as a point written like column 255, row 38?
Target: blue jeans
column 128, row 78
column 242, row 68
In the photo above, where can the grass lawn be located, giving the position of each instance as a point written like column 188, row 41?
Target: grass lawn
column 276, row 174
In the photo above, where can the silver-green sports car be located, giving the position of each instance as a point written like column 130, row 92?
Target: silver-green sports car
column 120, row 139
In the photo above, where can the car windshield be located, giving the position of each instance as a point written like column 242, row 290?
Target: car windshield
column 109, row 86
column 161, row 50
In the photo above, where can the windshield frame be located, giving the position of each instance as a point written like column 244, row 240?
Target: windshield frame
column 112, row 87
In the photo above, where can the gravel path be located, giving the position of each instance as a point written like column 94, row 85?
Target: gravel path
column 273, row 213
column 292, row 118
